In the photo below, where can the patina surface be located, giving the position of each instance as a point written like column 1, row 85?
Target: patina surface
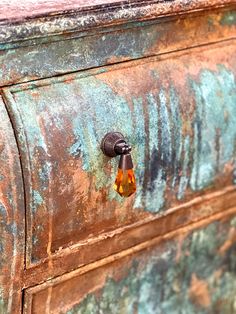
column 33, row 19
column 125, row 238
column 47, row 57
column 193, row 273
column 175, row 105
column 12, row 214
column 178, row 113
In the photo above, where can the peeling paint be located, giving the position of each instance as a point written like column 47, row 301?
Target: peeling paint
column 201, row 280
column 215, row 96
column 12, row 216
column 184, row 177
column 37, row 200
column 70, row 52
column 181, row 129
column 177, row 112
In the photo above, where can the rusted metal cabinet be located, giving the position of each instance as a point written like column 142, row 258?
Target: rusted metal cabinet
column 163, row 74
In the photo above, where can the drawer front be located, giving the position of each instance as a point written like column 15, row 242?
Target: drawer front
column 194, row 272
column 75, row 51
column 177, row 111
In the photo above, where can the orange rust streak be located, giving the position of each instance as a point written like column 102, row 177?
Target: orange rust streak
column 229, row 242
column 199, row 292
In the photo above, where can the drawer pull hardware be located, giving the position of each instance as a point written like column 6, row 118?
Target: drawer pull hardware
column 114, row 144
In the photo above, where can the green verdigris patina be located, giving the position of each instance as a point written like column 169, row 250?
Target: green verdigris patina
column 66, row 51
column 12, row 216
column 229, row 18
column 200, row 159
column 154, row 124
column 199, row 280
column 177, row 112
column 214, row 125
column 181, row 128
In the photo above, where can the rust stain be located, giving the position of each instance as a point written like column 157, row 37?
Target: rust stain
column 199, row 292
column 11, row 219
column 149, row 278
column 231, row 240
column 180, row 242
column 181, row 148
column 67, row 54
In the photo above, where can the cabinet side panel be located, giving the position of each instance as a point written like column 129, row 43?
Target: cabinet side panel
column 11, row 218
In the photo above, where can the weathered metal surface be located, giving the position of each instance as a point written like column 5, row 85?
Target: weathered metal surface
column 35, row 21
column 12, row 214
column 178, row 113
column 67, row 54
column 124, row 238
column 191, row 273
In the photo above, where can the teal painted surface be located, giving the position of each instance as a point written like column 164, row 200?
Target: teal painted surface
column 195, row 277
column 182, row 130
column 214, row 125
column 3, row 307
column 38, row 200
column 66, row 53
column 93, row 109
column 229, row 18
column 213, row 122
column 12, row 217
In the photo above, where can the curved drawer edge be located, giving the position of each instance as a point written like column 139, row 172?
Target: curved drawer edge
column 12, row 218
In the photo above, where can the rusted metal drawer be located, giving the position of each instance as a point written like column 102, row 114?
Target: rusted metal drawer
column 161, row 73
column 178, row 112
column 192, row 269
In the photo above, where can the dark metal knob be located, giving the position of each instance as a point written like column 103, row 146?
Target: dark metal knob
column 114, row 144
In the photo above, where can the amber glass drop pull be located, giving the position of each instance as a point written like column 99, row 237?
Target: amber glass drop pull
column 114, row 144
column 125, row 183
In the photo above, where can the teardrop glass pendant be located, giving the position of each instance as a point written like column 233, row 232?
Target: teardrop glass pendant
column 114, row 144
column 125, row 183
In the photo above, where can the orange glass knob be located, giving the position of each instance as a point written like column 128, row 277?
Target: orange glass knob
column 114, row 144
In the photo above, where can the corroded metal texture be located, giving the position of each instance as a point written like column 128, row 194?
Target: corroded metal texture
column 140, row 234
column 177, row 112
column 191, row 273
column 66, row 53
column 176, row 107
column 18, row 23
column 13, row 11
column 12, row 213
